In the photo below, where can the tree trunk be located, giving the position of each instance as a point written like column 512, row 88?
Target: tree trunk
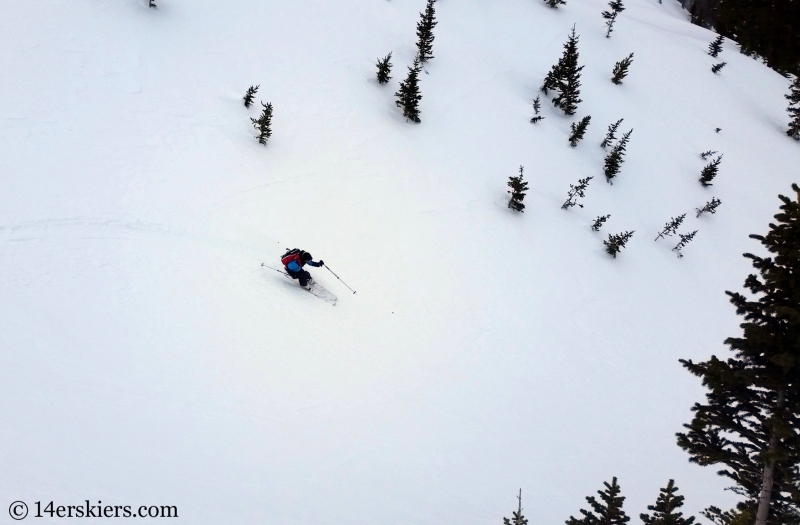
column 769, row 468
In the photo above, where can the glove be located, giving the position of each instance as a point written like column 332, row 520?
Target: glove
column 322, row 263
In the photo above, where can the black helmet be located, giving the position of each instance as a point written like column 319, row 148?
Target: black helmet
column 307, row 256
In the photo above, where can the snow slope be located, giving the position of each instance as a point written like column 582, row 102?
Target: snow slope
column 148, row 358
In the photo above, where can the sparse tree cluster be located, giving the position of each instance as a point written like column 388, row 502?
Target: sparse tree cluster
column 565, row 77
column 384, row 68
column 615, row 7
column 427, row 21
column 575, row 193
column 518, row 189
column 615, row 158
column 621, row 69
column 578, row 130
column 710, row 171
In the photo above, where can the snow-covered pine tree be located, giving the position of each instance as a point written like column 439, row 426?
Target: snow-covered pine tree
column 384, row 68
column 555, row 3
column 569, row 82
column 518, row 189
column 615, row 158
column 608, row 511
column 794, row 109
column 575, row 193
column 579, row 130
column 408, row 96
column 264, row 123
column 671, row 227
column 685, row 239
column 707, row 154
column 598, row 222
column 709, row 207
column 717, row 67
column 516, row 516
column 611, row 135
column 615, row 7
column 710, row 171
column 537, row 106
column 614, row 244
column 748, row 427
column 664, row 511
column 716, row 46
column 427, row 21
column 250, row 95
column 621, row 69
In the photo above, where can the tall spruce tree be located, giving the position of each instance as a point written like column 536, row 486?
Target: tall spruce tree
column 621, row 69
column 569, row 81
column 671, row 227
column 615, row 7
column 575, row 193
column 518, row 189
column 427, row 21
column 264, row 123
column 607, row 511
column 578, row 130
column 516, row 516
column 710, row 171
column 794, row 109
column 537, row 107
column 716, row 46
column 611, row 135
column 249, row 96
column 384, row 68
column 408, row 96
column 749, row 426
column 664, row 510
column 709, row 207
column 615, row 158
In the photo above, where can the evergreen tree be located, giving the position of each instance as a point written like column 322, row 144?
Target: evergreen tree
column 671, row 227
column 717, row 67
column 608, row 511
column 611, row 136
column 716, row 46
column 710, row 171
column 518, row 189
column 384, row 68
column 710, row 207
column 599, row 221
column 555, row 3
column 516, row 517
column 537, row 106
column 685, row 239
column 569, row 82
column 707, row 154
column 615, row 7
column 614, row 159
column 427, row 21
column 621, row 69
column 794, row 109
column 551, row 79
column 749, row 426
column 264, row 124
column 579, row 130
column 152, row 3
column 408, row 96
column 743, row 514
column 613, row 245
column 667, row 503
column 250, row 95
column 576, row 192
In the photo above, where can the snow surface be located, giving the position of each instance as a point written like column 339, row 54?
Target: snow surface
column 148, row 358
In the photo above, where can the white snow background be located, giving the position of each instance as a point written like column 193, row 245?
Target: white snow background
column 147, row 358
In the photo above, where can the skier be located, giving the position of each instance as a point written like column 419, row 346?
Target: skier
column 294, row 260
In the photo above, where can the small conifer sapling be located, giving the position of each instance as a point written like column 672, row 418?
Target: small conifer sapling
column 717, row 67
column 710, row 171
column 555, row 3
column 537, row 107
column 579, row 130
column 599, row 221
column 264, row 124
column 569, row 80
column 716, row 46
column 664, row 510
column 427, row 21
column 384, row 68
column 794, row 109
column 575, row 193
column 614, row 159
column 516, row 516
column 615, row 7
column 408, row 96
column 709, row 207
column 621, row 69
column 518, row 188
column 607, row 511
column 707, row 154
column 614, row 244
column 611, row 135
column 250, row 95
column 671, row 227
column 685, row 239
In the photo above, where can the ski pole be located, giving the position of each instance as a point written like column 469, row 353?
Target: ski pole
column 271, row 268
column 344, row 283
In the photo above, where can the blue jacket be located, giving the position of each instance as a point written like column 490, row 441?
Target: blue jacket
column 294, row 267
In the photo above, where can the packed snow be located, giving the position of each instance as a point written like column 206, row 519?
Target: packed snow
column 148, row 357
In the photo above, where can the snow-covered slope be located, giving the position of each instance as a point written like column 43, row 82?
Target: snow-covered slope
column 148, row 358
